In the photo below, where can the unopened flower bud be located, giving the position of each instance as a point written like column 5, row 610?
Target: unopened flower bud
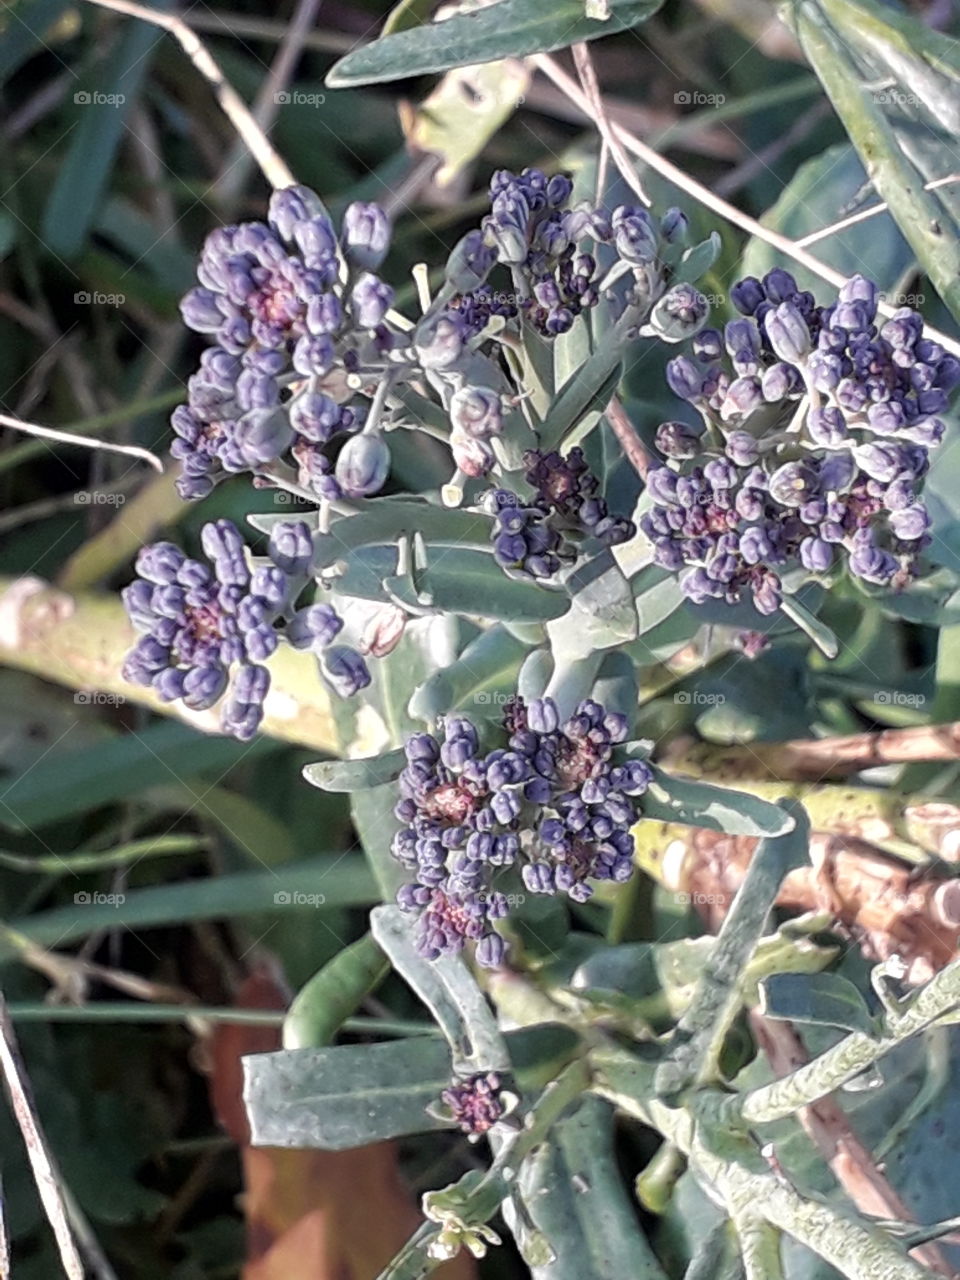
column 788, row 333
column 470, row 262
column 439, row 341
column 345, row 669
column 363, row 465
column 634, row 235
column 366, row 235
column 477, row 412
column 384, row 631
column 677, row 440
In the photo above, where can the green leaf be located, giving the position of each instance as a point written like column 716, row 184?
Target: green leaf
column 577, row 1218
column 808, row 622
column 464, row 111
column 120, row 855
column 342, row 882
column 815, row 197
column 508, row 29
column 604, row 614
column 698, row 259
column 448, row 989
column 585, row 395
column 894, row 84
column 387, row 519
column 470, row 583
column 333, row 993
column 355, row 775
column 486, row 664
column 350, row 1095
column 407, row 14
column 701, row 804
column 101, row 125
column 373, row 816
column 69, row 783
column 346, row 1096
column 825, row 999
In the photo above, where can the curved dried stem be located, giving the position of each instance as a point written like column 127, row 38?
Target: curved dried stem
column 274, row 169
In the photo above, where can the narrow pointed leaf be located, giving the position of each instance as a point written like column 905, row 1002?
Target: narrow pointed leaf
column 508, row 29
column 824, row 999
column 701, row 804
column 448, row 989
column 355, row 775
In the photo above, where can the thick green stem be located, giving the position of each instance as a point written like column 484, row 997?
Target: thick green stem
column 853, row 1055
column 730, row 1167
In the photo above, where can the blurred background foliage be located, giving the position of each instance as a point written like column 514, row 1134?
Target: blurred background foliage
column 139, row 858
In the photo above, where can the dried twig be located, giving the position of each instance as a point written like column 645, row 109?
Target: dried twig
column 85, row 442
column 591, row 87
column 630, row 442
column 271, row 165
column 818, row 758
column 233, row 174
column 864, row 214
column 46, row 1174
column 831, row 1132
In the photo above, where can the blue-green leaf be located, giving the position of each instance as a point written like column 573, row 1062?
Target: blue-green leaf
column 355, row 775
column 701, row 804
column 825, row 999
column 350, row 1095
column 507, row 29
column 448, row 989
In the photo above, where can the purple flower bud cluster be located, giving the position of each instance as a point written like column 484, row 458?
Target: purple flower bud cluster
column 286, row 332
column 207, row 628
column 569, row 491
column 534, row 539
column 475, row 1103
column 531, row 230
column 819, row 421
column 552, row 802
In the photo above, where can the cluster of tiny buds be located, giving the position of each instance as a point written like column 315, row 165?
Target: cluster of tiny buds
column 551, row 802
column 818, row 422
column 206, row 629
column 535, row 539
column 292, row 345
column 476, row 1103
column 533, row 232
